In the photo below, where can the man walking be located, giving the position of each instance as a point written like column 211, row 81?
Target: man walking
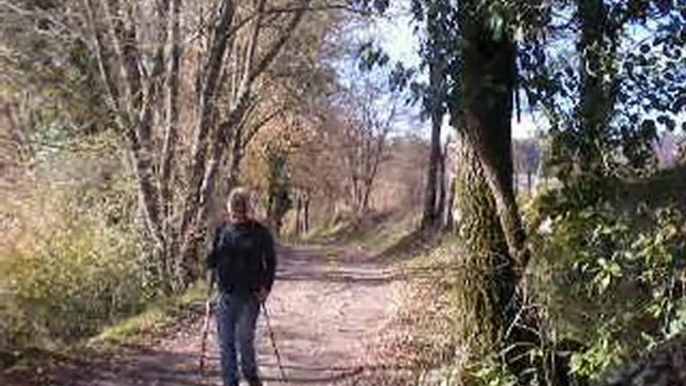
column 243, row 261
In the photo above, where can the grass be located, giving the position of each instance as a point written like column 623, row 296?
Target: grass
column 431, row 313
column 158, row 317
column 375, row 233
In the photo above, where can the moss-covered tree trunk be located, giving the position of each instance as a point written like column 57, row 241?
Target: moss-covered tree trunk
column 487, row 80
column 489, row 280
column 490, row 224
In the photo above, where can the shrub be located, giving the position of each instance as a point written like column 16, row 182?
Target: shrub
column 613, row 279
column 72, row 260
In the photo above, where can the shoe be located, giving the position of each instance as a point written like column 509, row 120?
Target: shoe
column 254, row 382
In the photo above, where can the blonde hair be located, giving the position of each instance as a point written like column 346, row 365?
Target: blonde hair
column 239, row 202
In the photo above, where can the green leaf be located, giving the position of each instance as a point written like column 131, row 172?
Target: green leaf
column 605, row 282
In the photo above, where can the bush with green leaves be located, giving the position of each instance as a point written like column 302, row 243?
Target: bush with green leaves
column 613, row 280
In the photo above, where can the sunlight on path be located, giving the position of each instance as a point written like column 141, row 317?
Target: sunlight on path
column 328, row 309
column 323, row 314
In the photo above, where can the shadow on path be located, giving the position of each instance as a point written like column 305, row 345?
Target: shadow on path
column 327, row 306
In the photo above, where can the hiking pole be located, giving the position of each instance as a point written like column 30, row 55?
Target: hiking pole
column 273, row 340
column 206, row 327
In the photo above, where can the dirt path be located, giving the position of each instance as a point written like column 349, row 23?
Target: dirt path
column 328, row 307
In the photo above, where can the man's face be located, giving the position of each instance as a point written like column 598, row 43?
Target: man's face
column 239, row 215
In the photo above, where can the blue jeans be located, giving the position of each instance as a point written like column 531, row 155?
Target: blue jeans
column 236, row 317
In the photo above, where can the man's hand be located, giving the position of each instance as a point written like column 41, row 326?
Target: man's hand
column 262, row 295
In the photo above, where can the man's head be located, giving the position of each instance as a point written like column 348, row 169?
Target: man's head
column 239, row 205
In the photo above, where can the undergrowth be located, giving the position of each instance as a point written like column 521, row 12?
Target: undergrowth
column 72, row 260
column 606, row 284
column 156, row 318
column 375, row 233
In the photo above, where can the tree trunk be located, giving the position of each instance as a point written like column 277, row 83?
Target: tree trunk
column 185, row 244
column 490, row 224
column 490, row 282
column 236, row 156
column 270, row 211
column 529, row 184
column 170, row 138
column 306, row 214
column 440, row 204
column 298, row 210
column 449, row 207
column 487, row 77
column 355, row 195
column 430, row 217
column 366, row 195
column 595, row 104
column 137, row 130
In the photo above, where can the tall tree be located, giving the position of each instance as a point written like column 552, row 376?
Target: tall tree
column 365, row 129
column 443, row 204
column 597, row 45
column 237, row 54
column 487, row 80
column 480, row 54
column 434, row 104
column 603, row 111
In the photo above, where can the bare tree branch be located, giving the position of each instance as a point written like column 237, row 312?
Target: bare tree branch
column 329, row 7
column 171, row 132
column 212, row 71
column 257, row 126
column 137, row 131
column 276, row 47
column 125, row 46
column 103, row 58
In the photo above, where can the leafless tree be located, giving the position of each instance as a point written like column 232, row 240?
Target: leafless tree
column 235, row 43
column 366, row 126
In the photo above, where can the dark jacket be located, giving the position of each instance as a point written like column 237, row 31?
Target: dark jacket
column 242, row 258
